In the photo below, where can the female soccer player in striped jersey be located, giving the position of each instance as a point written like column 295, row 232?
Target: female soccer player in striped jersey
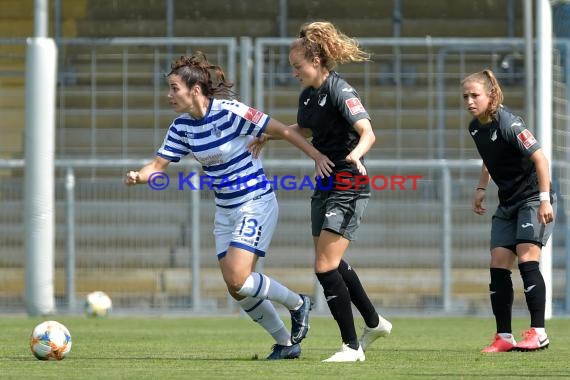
column 524, row 218
column 216, row 132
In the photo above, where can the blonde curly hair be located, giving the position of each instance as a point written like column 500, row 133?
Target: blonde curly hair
column 323, row 40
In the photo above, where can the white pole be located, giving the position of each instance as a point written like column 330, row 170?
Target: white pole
column 39, row 146
column 529, row 63
column 41, row 18
column 544, row 120
column 38, row 177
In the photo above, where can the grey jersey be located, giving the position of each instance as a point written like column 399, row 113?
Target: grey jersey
column 505, row 145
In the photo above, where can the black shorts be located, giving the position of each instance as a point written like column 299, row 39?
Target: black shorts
column 337, row 211
column 512, row 225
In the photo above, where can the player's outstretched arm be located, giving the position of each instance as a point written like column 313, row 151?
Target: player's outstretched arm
column 256, row 145
column 305, row 132
column 323, row 164
column 134, row 177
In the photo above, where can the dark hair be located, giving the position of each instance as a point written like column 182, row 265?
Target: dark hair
column 197, row 70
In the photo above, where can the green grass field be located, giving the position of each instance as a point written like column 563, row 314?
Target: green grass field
column 233, row 347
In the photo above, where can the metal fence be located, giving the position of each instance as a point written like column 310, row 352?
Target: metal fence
column 111, row 92
column 420, row 249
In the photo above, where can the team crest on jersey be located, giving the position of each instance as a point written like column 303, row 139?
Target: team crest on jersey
column 322, row 99
column 354, row 106
column 253, row 115
column 526, row 138
column 216, row 132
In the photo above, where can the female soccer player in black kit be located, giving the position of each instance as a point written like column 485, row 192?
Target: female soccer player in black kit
column 331, row 113
column 524, row 218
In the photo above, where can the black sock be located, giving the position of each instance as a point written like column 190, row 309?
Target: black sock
column 501, row 293
column 534, row 292
column 358, row 295
column 338, row 299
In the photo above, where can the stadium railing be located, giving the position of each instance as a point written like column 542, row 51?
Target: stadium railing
column 109, row 106
column 420, row 245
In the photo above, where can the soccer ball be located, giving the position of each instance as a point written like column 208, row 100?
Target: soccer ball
column 50, row 340
column 98, row 304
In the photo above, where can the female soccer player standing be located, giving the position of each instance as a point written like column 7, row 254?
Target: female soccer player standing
column 524, row 218
column 216, row 132
column 331, row 113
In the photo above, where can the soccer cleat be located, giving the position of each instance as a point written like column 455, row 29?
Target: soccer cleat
column 532, row 341
column 500, row 344
column 300, row 320
column 347, row 354
column 279, row 352
column 370, row 334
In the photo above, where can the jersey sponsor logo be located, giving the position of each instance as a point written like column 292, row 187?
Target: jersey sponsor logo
column 526, row 138
column 354, row 106
column 526, row 225
column 347, row 89
column 474, row 132
column 253, row 115
column 306, row 101
column 209, row 159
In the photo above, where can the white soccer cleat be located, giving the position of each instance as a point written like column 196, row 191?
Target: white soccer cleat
column 370, row 334
column 347, row 354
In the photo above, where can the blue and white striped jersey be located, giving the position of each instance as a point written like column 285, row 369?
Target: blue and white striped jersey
column 218, row 142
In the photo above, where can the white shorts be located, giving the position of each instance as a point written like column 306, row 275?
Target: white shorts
column 249, row 226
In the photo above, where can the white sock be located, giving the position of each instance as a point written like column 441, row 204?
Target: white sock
column 507, row 336
column 540, row 331
column 258, row 285
column 264, row 313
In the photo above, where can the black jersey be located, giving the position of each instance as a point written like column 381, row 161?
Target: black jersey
column 330, row 113
column 505, row 145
